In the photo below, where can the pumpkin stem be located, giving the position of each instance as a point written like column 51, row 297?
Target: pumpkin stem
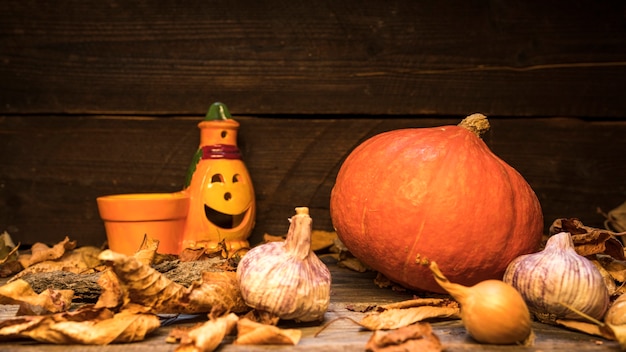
column 476, row 123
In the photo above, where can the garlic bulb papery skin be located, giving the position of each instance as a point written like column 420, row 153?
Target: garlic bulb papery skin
column 286, row 278
column 557, row 278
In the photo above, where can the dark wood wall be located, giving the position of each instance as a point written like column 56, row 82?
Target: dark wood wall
column 103, row 97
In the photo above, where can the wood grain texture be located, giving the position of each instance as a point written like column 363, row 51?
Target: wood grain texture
column 54, row 167
column 395, row 57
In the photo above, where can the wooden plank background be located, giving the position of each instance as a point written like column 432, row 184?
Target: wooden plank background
column 104, row 97
column 300, row 57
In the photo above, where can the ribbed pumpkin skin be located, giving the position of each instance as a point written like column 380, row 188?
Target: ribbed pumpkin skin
column 438, row 194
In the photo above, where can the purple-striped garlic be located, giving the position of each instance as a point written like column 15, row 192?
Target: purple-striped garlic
column 286, row 278
column 558, row 283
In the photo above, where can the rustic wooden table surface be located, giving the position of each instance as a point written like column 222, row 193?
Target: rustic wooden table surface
column 356, row 289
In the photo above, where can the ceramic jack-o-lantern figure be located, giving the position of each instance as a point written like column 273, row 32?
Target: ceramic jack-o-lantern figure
column 222, row 205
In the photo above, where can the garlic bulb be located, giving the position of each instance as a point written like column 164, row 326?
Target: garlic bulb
column 286, row 278
column 557, row 278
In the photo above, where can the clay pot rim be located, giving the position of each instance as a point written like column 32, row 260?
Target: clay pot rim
column 143, row 206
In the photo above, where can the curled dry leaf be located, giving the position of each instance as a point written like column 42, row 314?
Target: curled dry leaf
column 79, row 261
column 609, row 280
column 208, row 249
column 20, row 293
column 272, row 238
column 253, row 333
column 40, row 252
column 147, row 251
column 9, row 264
column 87, row 325
column 400, row 314
column 619, row 334
column 616, row 268
column 589, row 240
column 586, row 327
column 207, row 336
column 262, row 317
column 353, row 264
column 217, row 292
column 320, row 239
column 345, row 258
column 123, row 327
column 202, row 253
column 416, row 337
column 419, row 302
column 397, row 318
column 6, row 245
column 616, row 218
column 112, row 295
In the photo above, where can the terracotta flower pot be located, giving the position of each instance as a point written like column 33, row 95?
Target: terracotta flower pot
column 129, row 217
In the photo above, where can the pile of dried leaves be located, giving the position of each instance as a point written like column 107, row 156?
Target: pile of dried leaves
column 122, row 299
column 109, row 297
column 132, row 296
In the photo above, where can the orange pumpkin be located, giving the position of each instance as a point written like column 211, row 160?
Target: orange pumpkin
column 405, row 197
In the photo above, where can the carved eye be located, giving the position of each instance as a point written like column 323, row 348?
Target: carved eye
column 217, row 178
column 236, row 178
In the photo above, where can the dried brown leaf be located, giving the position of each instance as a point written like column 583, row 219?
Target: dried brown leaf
column 320, row 239
column 49, row 301
column 397, row 318
column 589, row 240
column 195, row 254
column 88, row 325
column 147, row 251
column 617, row 333
column 18, row 327
column 272, row 238
column 217, row 292
column 124, row 327
column 9, row 264
column 416, row 337
column 253, row 333
column 616, row 218
column 208, row 336
column 40, row 252
column 79, row 261
column 382, row 281
column 262, row 317
column 8, row 249
column 353, row 263
column 112, row 294
column 609, row 280
column 418, row 302
column 616, row 268
column 208, row 249
column 585, row 327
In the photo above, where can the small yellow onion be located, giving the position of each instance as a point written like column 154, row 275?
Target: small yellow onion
column 492, row 311
column 558, row 283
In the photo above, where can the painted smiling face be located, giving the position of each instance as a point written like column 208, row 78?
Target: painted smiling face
column 222, row 205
